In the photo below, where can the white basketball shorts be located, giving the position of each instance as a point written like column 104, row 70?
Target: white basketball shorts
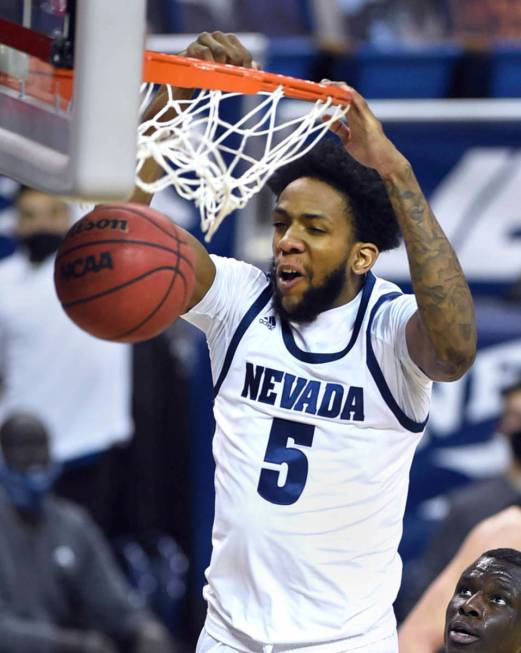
column 207, row 644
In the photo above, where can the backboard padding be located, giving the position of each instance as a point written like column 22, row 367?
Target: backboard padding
column 89, row 151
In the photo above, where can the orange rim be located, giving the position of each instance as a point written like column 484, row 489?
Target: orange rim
column 187, row 72
column 50, row 85
column 47, row 83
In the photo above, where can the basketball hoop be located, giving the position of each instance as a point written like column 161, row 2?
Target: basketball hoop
column 214, row 162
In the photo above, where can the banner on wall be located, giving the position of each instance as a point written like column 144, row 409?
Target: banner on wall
column 478, row 204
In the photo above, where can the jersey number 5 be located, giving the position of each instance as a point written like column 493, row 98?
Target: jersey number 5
column 272, row 485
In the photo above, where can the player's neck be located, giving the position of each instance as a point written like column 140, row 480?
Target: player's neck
column 353, row 286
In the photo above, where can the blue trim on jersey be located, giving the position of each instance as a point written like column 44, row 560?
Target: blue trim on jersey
column 310, row 357
column 250, row 315
column 376, row 373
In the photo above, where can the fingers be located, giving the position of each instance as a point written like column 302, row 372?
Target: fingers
column 340, row 128
column 358, row 102
column 198, row 50
column 220, row 47
column 361, row 119
column 328, row 82
column 242, row 55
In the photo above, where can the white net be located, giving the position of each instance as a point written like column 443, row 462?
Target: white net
column 220, row 163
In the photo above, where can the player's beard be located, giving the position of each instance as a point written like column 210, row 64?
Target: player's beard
column 315, row 300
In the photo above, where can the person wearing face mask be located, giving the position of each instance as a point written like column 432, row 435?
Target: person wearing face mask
column 78, row 385
column 60, row 590
column 468, row 507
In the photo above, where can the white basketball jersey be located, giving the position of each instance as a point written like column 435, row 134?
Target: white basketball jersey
column 312, row 457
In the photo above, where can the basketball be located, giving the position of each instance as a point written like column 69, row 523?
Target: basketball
column 124, row 272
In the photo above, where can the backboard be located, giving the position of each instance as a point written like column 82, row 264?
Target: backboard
column 70, row 74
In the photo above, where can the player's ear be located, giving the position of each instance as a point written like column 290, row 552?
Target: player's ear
column 363, row 257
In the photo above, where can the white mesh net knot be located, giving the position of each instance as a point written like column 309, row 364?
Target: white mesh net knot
column 219, row 164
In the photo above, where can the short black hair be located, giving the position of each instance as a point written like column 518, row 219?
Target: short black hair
column 374, row 217
column 513, row 556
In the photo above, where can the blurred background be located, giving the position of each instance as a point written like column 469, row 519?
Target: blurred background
column 445, row 78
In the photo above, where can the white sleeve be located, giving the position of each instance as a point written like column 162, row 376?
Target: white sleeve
column 235, row 287
column 410, row 387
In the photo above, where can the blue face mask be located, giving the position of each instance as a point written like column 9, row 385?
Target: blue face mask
column 27, row 490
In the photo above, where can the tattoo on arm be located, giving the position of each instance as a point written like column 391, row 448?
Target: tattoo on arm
column 444, row 300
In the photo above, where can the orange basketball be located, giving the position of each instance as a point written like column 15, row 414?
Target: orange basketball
column 124, row 272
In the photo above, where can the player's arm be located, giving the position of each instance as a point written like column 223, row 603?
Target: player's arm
column 223, row 48
column 441, row 335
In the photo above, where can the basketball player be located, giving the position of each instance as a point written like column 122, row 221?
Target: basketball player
column 484, row 615
column 322, row 376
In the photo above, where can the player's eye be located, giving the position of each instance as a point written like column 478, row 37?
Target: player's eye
column 498, row 599
column 464, row 591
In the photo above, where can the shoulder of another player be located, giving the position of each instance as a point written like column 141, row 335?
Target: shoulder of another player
column 500, row 530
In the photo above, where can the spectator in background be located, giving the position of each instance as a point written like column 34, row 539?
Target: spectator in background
column 60, row 590
column 467, row 507
column 423, row 630
column 485, row 21
column 177, row 16
column 391, row 23
column 272, row 17
column 78, row 385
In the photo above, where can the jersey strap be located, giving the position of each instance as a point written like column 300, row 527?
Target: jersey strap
column 376, row 373
column 310, row 357
column 250, row 315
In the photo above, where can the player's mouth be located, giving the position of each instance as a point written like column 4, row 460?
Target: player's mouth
column 288, row 276
column 460, row 633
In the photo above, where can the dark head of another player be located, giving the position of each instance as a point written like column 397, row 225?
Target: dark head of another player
column 484, row 615
column 331, row 220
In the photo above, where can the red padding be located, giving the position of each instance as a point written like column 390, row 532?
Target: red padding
column 25, row 39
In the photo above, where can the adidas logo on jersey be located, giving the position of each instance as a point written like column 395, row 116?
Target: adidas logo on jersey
column 269, row 321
